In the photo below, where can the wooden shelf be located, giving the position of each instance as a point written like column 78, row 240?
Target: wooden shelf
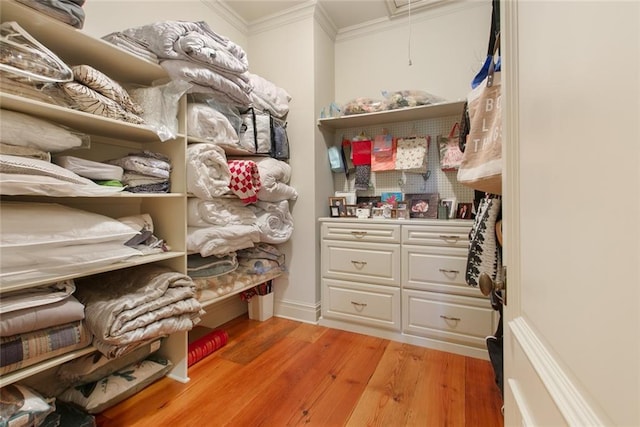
column 400, row 115
column 75, row 47
column 80, row 121
column 24, row 373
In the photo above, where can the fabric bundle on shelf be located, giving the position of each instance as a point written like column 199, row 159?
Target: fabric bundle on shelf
column 130, row 307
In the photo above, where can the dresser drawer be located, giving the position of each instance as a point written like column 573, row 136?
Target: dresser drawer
column 451, row 235
column 436, row 269
column 452, row 318
column 371, row 305
column 369, row 263
column 352, row 231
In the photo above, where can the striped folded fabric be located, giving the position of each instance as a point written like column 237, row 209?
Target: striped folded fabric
column 205, row 345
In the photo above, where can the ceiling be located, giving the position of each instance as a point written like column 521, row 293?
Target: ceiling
column 343, row 13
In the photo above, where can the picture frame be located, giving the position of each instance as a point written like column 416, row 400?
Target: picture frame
column 368, row 201
column 334, row 211
column 423, row 205
column 464, row 210
column 452, row 206
column 350, row 210
column 392, row 198
column 340, row 203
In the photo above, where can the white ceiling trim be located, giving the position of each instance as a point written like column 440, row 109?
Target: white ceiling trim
column 297, row 13
column 228, row 14
column 383, row 24
column 325, row 21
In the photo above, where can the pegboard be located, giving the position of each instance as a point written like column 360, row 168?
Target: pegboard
column 444, row 183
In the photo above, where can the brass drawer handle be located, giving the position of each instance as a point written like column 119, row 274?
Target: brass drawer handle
column 359, row 304
column 359, row 264
column 449, row 237
column 445, row 271
column 359, row 234
column 457, row 319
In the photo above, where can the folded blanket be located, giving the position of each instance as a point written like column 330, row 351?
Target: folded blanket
column 133, row 305
column 274, row 221
column 267, row 96
column 217, row 240
column 245, row 180
column 145, row 163
column 191, row 41
column 35, row 297
column 204, row 121
column 34, row 318
column 222, row 211
column 131, row 45
column 208, row 174
column 235, row 87
column 211, row 266
column 68, row 11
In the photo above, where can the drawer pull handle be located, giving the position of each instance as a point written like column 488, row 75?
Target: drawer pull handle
column 359, row 264
column 359, row 234
column 457, row 319
column 359, row 304
column 449, row 237
column 445, row 271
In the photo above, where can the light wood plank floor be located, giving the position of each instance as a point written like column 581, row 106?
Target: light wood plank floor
column 286, row 373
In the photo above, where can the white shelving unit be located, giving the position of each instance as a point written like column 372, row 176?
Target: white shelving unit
column 109, row 139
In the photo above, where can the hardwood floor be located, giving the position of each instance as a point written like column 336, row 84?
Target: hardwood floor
column 285, row 373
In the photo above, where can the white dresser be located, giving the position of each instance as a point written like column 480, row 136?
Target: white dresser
column 403, row 280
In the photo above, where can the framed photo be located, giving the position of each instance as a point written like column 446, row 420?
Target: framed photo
column 334, row 211
column 392, row 198
column 451, row 206
column 423, row 205
column 464, row 211
column 340, row 203
column 368, row 201
column 350, row 210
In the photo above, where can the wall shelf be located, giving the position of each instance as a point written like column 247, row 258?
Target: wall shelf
column 400, row 115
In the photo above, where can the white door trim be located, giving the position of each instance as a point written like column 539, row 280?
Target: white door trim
column 573, row 406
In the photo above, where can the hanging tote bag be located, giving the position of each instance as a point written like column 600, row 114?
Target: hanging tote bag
column 449, row 149
column 481, row 166
column 485, row 253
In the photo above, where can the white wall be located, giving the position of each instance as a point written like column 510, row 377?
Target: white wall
column 448, row 47
column 284, row 55
column 106, row 16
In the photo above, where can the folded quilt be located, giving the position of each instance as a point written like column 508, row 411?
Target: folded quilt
column 221, row 211
column 211, row 266
column 22, row 350
column 267, row 96
column 204, row 121
column 145, row 163
column 131, row 45
column 274, row 221
column 220, row 240
column 233, row 90
column 136, row 304
column 274, row 178
column 208, row 174
column 35, row 297
column 192, row 41
column 44, row 316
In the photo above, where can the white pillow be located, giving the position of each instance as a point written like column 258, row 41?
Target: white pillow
column 30, row 166
column 28, row 224
column 67, row 260
column 28, row 131
column 89, row 168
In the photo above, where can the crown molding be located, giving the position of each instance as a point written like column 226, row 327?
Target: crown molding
column 431, row 11
column 324, row 20
column 228, row 14
column 297, row 13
